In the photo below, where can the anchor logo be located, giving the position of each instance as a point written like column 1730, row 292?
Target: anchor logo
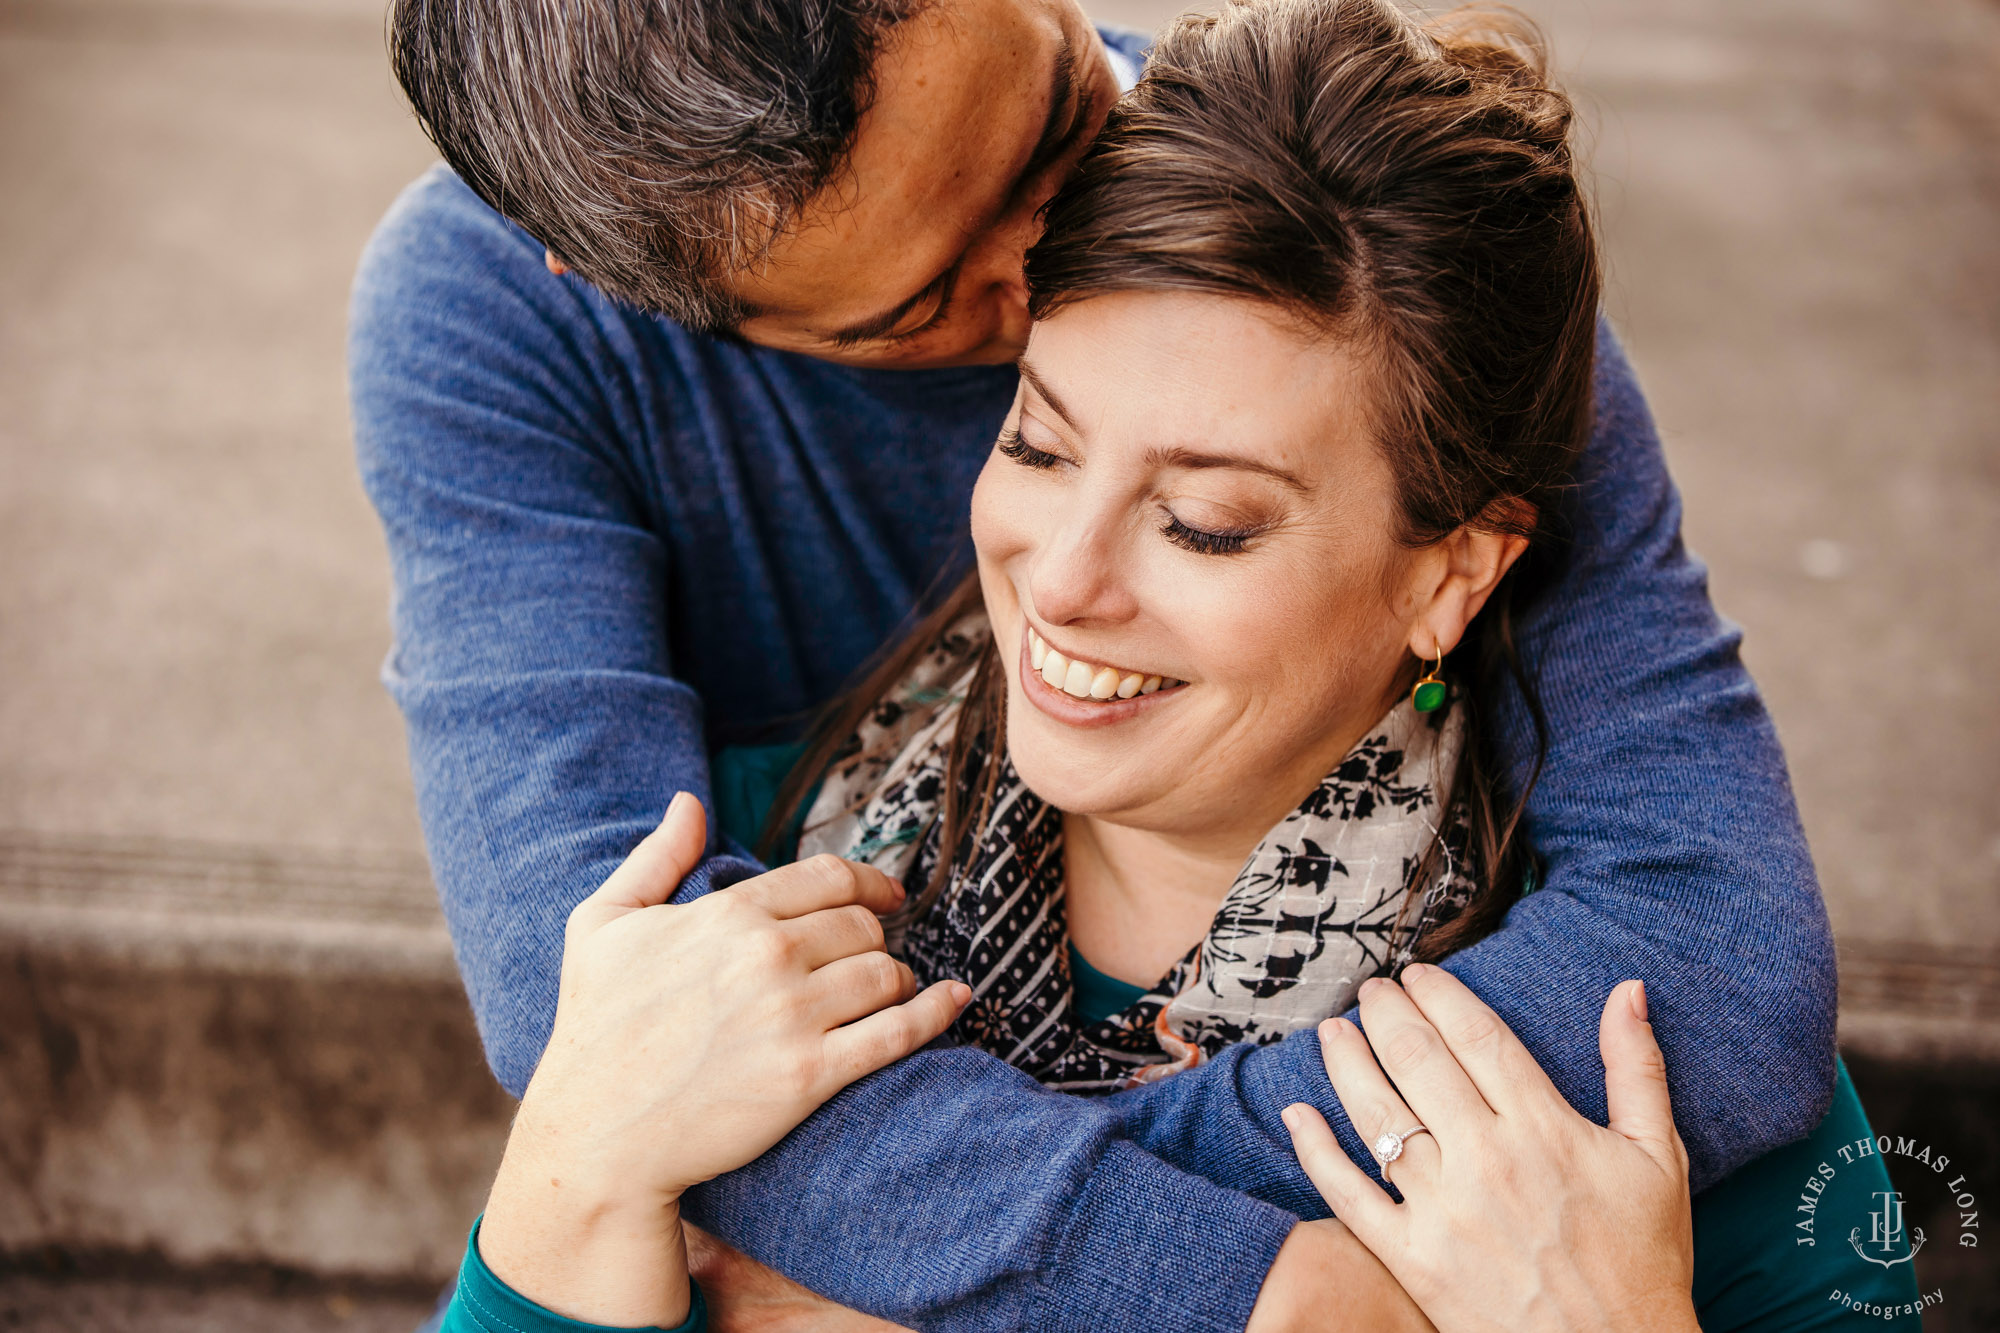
column 1886, row 1231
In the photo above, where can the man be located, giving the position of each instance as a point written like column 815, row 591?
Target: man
column 624, row 539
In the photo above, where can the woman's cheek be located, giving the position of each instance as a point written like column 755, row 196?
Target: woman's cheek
column 999, row 510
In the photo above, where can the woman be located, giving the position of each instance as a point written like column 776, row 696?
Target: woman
column 1183, row 765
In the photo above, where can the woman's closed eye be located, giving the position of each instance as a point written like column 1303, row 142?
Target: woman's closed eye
column 1203, row 541
column 1027, row 455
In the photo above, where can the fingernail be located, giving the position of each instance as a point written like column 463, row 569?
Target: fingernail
column 961, row 994
column 1639, row 1001
column 1417, row 970
column 1290, row 1115
column 1372, row 984
column 901, row 892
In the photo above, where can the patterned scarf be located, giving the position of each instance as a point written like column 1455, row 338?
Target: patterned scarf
column 1329, row 898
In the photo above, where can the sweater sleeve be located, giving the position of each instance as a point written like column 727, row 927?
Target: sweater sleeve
column 547, row 732
column 1673, row 854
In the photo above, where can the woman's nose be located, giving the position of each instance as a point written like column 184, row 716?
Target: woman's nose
column 1076, row 580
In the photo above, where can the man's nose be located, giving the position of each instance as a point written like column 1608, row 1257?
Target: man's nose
column 996, row 263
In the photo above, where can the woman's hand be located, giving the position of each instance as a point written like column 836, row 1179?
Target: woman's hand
column 1518, row 1213
column 687, row 1041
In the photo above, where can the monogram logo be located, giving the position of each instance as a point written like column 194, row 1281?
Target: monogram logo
column 1885, row 1233
column 1939, row 1194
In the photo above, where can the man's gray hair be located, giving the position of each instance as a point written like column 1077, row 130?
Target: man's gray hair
column 654, row 146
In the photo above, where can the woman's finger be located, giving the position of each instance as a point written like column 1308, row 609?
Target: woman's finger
column 1492, row 1057
column 1635, row 1076
column 656, row 866
column 834, row 932
column 865, row 1046
column 1372, row 1104
column 1413, row 1055
column 1353, row 1197
column 849, row 989
column 820, row 882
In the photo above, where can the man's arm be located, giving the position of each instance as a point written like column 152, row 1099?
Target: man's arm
column 546, row 732
column 1674, row 854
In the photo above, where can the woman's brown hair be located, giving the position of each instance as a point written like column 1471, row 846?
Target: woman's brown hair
column 1405, row 187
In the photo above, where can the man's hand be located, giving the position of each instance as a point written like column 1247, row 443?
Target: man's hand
column 746, row 1297
column 1324, row 1280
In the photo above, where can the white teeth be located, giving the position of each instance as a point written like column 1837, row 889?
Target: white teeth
column 1087, row 680
column 1076, row 680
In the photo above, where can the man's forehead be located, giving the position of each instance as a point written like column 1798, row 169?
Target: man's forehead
column 960, row 98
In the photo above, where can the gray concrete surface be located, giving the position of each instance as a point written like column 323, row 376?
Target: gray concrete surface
column 227, row 1026
column 199, row 1303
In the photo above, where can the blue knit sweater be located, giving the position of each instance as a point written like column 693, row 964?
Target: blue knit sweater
column 617, row 546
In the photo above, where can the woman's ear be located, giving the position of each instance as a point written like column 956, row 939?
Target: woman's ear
column 1475, row 560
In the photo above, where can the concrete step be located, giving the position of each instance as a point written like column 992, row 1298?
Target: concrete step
column 54, row 1294
column 218, row 1054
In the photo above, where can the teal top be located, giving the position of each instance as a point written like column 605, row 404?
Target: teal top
column 482, row 1303
column 1751, row 1269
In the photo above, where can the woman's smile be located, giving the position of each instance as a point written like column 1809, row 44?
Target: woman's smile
column 1087, row 694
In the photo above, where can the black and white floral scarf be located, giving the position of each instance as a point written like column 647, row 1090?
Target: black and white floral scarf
column 1329, row 898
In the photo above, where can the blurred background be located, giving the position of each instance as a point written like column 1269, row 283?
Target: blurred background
column 239, row 1086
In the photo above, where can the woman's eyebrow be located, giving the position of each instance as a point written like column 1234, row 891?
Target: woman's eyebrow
column 1161, row 456
column 1044, row 392
column 1182, row 457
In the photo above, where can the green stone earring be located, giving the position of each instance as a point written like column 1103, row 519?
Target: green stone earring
column 1428, row 694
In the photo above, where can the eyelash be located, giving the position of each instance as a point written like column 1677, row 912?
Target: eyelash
column 1027, row 455
column 1198, row 540
column 1203, row 542
column 937, row 317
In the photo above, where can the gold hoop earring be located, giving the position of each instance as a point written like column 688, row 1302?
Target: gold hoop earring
column 1427, row 695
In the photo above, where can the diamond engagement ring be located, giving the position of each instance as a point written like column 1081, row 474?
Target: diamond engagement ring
column 1390, row 1146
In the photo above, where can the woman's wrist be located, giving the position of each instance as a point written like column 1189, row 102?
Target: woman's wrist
column 552, row 1137
column 582, row 1241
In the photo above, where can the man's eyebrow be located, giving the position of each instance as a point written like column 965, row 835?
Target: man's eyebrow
column 1054, row 139
column 1056, row 126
